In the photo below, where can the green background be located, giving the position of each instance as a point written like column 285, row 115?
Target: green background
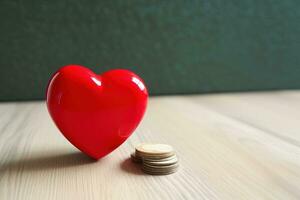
column 175, row 46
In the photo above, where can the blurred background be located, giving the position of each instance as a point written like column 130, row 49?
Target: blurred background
column 177, row 47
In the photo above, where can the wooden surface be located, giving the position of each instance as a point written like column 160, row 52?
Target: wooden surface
column 231, row 146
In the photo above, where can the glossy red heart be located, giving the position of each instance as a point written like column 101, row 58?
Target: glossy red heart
column 96, row 113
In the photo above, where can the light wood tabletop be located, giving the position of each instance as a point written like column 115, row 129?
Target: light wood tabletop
column 230, row 146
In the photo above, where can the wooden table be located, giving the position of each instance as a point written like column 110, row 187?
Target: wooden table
column 231, row 146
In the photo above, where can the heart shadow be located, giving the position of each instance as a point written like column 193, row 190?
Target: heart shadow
column 48, row 162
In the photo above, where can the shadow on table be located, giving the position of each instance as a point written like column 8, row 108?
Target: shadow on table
column 54, row 161
column 48, row 162
column 132, row 168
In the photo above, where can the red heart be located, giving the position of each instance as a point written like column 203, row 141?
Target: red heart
column 96, row 113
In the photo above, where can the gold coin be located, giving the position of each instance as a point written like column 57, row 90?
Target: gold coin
column 154, row 150
column 156, row 159
column 135, row 158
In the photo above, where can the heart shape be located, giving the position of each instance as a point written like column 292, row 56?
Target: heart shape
column 96, row 113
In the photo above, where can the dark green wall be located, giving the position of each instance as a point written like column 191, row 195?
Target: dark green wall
column 176, row 46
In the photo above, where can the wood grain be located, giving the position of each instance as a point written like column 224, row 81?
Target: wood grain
column 230, row 146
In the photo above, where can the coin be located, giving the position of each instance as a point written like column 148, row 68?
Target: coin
column 160, row 167
column 161, row 162
column 163, row 171
column 135, row 158
column 154, row 150
column 156, row 159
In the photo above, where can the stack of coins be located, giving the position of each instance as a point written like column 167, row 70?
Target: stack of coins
column 156, row 159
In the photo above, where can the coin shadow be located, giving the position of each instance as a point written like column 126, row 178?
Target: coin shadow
column 132, row 168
